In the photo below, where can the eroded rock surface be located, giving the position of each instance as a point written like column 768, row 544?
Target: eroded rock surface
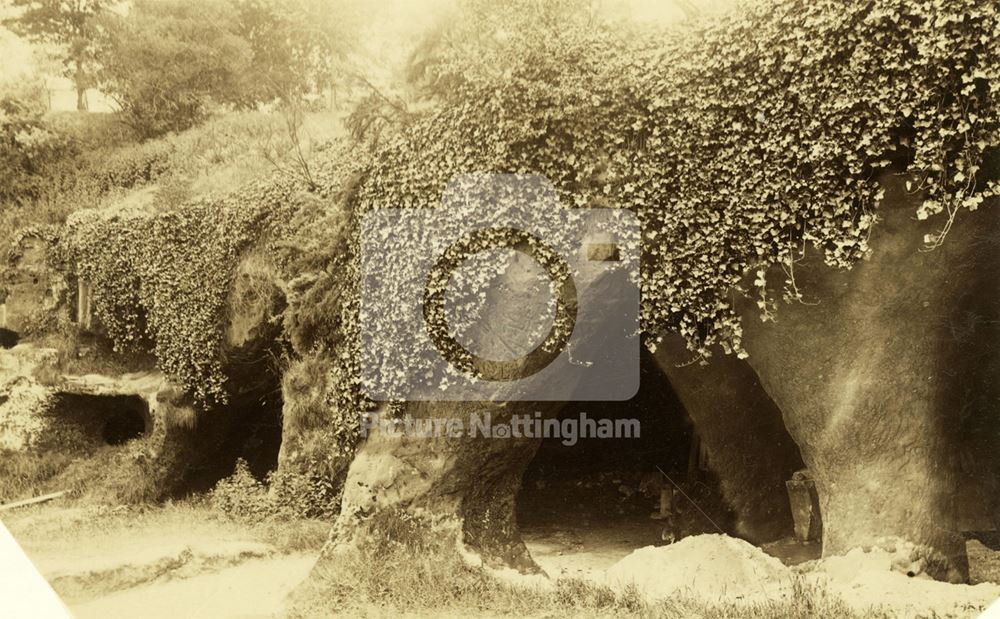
column 886, row 377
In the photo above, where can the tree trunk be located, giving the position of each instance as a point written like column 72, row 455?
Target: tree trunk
column 81, row 100
column 80, row 83
column 470, row 482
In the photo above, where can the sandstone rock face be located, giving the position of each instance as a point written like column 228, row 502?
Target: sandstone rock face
column 42, row 409
column 885, row 381
column 23, row 400
column 749, row 448
column 143, row 384
column 177, row 447
column 29, row 288
column 472, row 481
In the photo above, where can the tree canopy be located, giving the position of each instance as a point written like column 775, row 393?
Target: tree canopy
column 167, row 60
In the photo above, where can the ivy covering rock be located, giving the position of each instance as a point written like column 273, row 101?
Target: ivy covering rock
column 739, row 142
column 161, row 281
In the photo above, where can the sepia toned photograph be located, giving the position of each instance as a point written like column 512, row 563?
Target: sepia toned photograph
column 627, row 309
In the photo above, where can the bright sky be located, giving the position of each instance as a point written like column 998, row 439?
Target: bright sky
column 15, row 55
column 394, row 26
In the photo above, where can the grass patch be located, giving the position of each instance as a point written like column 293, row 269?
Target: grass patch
column 109, row 168
column 81, row 353
column 401, row 566
column 24, row 475
column 806, row 600
column 112, row 475
column 291, row 536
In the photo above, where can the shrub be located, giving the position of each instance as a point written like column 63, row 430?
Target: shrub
column 128, row 166
column 282, row 495
column 93, row 131
column 29, row 148
column 167, row 61
column 305, row 495
column 241, row 496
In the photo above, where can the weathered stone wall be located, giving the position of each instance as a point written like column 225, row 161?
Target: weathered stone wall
column 879, row 375
column 30, row 290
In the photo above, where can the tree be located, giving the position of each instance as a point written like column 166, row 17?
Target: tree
column 69, row 24
column 167, row 61
column 295, row 44
column 277, row 68
column 28, row 147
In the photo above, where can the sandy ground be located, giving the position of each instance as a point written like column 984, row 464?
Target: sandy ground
column 612, row 541
column 609, row 555
column 586, row 551
column 255, row 589
column 175, row 564
column 183, row 563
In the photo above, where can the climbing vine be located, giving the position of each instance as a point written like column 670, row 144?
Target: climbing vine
column 160, row 281
column 739, row 142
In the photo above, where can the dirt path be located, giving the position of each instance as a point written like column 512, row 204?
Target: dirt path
column 255, row 589
column 586, row 551
column 172, row 563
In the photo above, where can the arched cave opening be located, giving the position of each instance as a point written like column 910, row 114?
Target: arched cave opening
column 255, row 435
column 593, row 502
column 247, row 427
column 85, row 422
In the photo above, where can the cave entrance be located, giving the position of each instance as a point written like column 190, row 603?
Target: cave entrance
column 256, row 437
column 127, row 422
column 247, row 427
column 584, row 506
column 86, row 422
